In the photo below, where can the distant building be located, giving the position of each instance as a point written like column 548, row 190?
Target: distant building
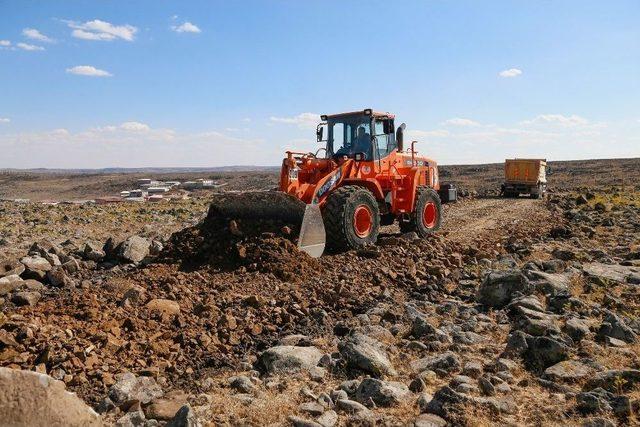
column 157, row 190
column 198, row 184
column 137, row 193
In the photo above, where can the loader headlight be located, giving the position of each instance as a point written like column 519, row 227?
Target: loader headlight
column 293, row 174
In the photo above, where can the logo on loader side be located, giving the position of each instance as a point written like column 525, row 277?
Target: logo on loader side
column 329, row 184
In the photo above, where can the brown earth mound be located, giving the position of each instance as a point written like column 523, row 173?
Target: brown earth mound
column 227, row 244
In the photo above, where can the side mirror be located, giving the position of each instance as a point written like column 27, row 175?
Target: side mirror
column 400, row 137
column 319, row 132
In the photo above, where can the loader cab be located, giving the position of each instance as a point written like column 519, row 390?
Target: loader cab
column 364, row 135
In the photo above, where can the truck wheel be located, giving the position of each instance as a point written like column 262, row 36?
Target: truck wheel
column 351, row 218
column 538, row 194
column 427, row 215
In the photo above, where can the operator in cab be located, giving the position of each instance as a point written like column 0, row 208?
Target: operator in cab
column 361, row 144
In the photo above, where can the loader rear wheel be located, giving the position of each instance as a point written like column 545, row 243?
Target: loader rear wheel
column 427, row 215
column 351, row 218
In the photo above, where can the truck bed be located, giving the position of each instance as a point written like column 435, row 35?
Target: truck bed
column 524, row 171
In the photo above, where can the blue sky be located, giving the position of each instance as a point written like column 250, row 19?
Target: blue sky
column 211, row 83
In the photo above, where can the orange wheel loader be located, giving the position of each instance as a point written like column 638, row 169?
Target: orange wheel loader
column 361, row 179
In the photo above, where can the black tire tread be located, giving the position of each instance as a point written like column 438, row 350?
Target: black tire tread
column 412, row 224
column 334, row 217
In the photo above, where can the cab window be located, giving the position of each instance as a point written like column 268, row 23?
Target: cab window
column 385, row 136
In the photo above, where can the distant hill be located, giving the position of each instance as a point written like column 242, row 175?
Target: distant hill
column 150, row 170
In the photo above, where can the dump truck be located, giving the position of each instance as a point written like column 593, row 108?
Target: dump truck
column 525, row 176
column 361, row 178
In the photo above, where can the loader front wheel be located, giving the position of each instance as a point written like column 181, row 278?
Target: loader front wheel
column 351, row 218
column 426, row 217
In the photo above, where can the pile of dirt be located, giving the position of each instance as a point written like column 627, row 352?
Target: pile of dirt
column 265, row 245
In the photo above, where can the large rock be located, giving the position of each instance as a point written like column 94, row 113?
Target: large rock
column 612, row 272
column 615, row 379
column 26, row 298
column 166, row 408
column 543, row 352
column 576, row 328
column 613, row 326
column 134, row 249
column 33, row 399
column 36, row 267
column 130, row 388
column 131, row 419
column 568, row 371
column 451, row 404
column 165, row 307
column 499, row 287
column 111, row 248
column 447, row 403
column 36, row 262
column 92, row 251
column 446, row 361
column 599, row 401
column 9, row 283
column 185, row 417
column 549, row 283
column 58, row 277
column 351, row 406
column 285, row 359
column 382, row 393
column 9, row 267
column 422, row 327
column 429, row 420
column 365, row 353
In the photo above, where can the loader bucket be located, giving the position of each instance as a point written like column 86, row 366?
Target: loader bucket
column 278, row 206
column 312, row 235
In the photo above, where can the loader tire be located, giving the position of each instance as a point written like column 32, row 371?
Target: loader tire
column 351, row 218
column 427, row 215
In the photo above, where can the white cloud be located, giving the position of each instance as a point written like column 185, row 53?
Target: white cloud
column 130, row 144
column 511, row 72
column 88, row 70
column 457, row 121
column 60, row 132
column 303, row 120
column 27, row 46
column 135, row 127
column 551, row 136
column 4, row 120
column 559, row 119
column 135, row 144
column 32, row 33
column 5, row 43
column 101, row 30
column 186, row 27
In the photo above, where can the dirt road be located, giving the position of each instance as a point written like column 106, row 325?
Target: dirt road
column 491, row 218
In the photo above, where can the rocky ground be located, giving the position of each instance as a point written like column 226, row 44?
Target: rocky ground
column 519, row 312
